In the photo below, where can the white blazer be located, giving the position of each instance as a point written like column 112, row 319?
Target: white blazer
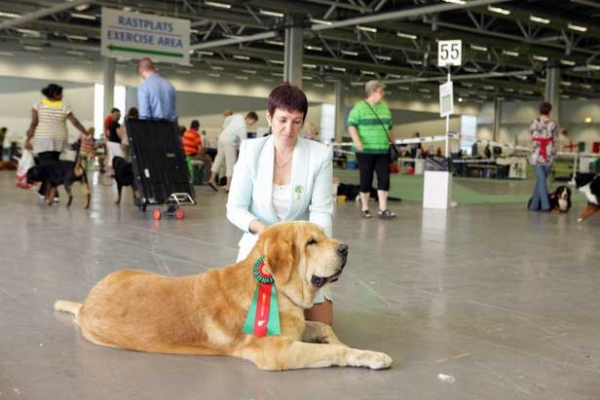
column 251, row 192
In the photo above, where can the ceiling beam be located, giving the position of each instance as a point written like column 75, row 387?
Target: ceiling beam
column 67, row 5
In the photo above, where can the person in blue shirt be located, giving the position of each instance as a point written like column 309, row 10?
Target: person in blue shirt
column 156, row 95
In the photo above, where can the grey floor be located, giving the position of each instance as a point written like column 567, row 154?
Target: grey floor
column 480, row 302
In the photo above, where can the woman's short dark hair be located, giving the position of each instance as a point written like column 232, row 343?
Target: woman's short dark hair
column 289, row 98
column 545, row 108
column 52, row 90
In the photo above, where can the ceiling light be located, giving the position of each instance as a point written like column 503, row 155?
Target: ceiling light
column 586, row 86
column 424, row 90
column 217, row 68
column 82, row 7
column 406, row 35
column 275, row 42
column 183, row 71
column 311, row 66
column 307, row 78
column 499, row 10
column 249, row 71
column 77, row 37
column 478, row 48
column 367, row 72
column 539, row 58
column 415, row 62
column 528, row 91
column 75, row 52
column 217, row 4
column 33, row 48
column 426, row 96
column 393, row 76
column 319, row 84
column 6, row 54
column 276, row 62
column 567, row 62
column 588, row 120
column 366, row 28
column 577, row 28
column 384, row 58
column 29, row 32
column 276, row 74
column 488, row 87
column 471, row 69
column 214, row 75
column 313, row 48
column 339, row 69
column 349, row 53
column 565, row 96
column 83, row 16
column 566, row 83
column 238, row 57
column 460, row 100
column 455, row 1
column 272, row 13
column 594, row 67
column 206, row 53
column 510, row 53
column 266, row 79
column 403, row 88
column 539, row 20
column 509, row 90
column 466, row 84
column 9, row 15
column 241, row 77
column 320, row 21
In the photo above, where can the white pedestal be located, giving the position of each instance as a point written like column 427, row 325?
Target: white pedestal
column 437, row 190
column 419, row 166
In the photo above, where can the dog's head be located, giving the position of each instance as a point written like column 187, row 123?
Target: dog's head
column 563, row 192
column 301, row 258
column 36, row 174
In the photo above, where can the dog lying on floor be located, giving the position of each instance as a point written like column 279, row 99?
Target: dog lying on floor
column 589, row 185
column 204, row 314
column 123, row 174
column 56, row 173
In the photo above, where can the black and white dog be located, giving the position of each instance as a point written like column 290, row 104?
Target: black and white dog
column 589, row 185
column 560, row 199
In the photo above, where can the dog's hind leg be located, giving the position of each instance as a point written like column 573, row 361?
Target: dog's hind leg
column 590, row 210
column 50, row 194
column 318, row 332
column 119, row 189
column 69, row 193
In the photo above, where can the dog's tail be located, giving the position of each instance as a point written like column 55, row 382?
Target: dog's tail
column 68, row 306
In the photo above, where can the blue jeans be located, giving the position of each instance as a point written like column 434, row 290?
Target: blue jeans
column 539, row 200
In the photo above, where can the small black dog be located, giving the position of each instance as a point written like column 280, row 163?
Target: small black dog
column 123, row 174
column 560, row 199
column 56, row 173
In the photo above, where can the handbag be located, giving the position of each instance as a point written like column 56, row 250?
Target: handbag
column 393, row 151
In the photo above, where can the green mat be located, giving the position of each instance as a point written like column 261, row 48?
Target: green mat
column 464, row 190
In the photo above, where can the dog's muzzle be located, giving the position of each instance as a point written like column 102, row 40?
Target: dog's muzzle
column 342, row 252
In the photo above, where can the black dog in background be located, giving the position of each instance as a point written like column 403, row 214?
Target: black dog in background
column 123, row 174
column 56, row 173
column 352, row 191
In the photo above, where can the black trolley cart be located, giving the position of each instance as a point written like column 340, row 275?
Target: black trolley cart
column 159, row 166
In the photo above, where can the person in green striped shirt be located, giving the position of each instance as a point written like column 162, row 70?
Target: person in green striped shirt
column 370, row 127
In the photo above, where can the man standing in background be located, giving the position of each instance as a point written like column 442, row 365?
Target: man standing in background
column 156, row 95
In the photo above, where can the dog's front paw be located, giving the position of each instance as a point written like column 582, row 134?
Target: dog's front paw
column 372, row 360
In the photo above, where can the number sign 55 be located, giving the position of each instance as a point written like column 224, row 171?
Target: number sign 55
column 449, row 52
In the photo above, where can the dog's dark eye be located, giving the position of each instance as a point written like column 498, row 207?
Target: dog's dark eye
column 311, row 241
column 318, row 281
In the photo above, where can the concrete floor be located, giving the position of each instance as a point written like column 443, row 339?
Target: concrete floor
column 480, row 302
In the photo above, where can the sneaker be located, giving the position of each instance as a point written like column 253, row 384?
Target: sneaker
column 366, row 214
column 386, row 214
column 56, row 199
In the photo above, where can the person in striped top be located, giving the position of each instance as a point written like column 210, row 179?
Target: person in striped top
column 370, row 127
column 49, row 126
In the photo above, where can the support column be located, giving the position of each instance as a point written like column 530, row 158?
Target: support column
column 294, row 46
column 340, row 111
column 552, row 94
column 108, row 72
column 497, row 117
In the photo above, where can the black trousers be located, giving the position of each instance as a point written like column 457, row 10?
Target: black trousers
column 370, row 163
column 43, row 157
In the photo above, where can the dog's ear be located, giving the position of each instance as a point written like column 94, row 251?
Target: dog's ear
column 279, row 249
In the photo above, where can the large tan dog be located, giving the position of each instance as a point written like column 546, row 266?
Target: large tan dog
column 204, row 314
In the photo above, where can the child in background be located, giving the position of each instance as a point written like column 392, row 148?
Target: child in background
column 87, row 151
